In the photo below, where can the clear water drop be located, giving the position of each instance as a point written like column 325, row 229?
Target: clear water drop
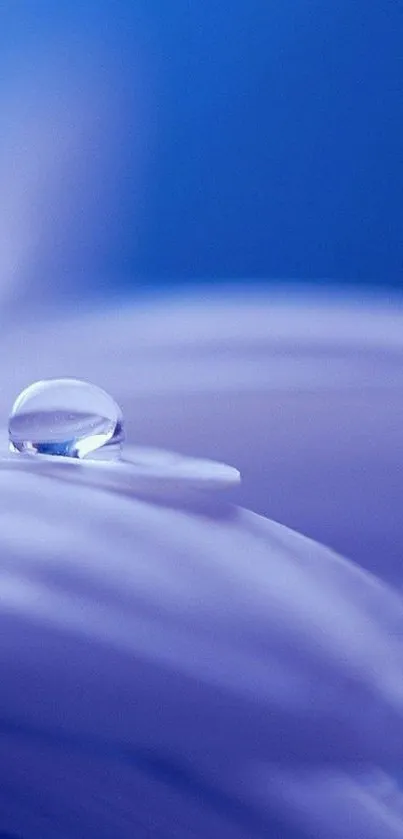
column 66, row 417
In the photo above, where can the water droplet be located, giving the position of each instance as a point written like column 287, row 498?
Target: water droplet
column 66, row 417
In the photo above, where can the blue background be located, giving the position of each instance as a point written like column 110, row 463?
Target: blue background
column 270, row 137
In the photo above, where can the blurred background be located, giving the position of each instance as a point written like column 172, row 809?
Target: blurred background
column 150, row 145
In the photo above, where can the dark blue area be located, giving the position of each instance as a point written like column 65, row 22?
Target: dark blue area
column 275, row 138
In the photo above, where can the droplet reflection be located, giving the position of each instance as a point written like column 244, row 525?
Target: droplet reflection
column 66, row 417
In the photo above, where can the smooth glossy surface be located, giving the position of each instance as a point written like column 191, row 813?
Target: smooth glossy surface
column 66, row 417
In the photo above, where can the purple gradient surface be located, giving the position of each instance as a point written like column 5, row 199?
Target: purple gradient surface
column 187, row 670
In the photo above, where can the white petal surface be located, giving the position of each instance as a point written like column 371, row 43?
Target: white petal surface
column 176, row 666
column 169, row 649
